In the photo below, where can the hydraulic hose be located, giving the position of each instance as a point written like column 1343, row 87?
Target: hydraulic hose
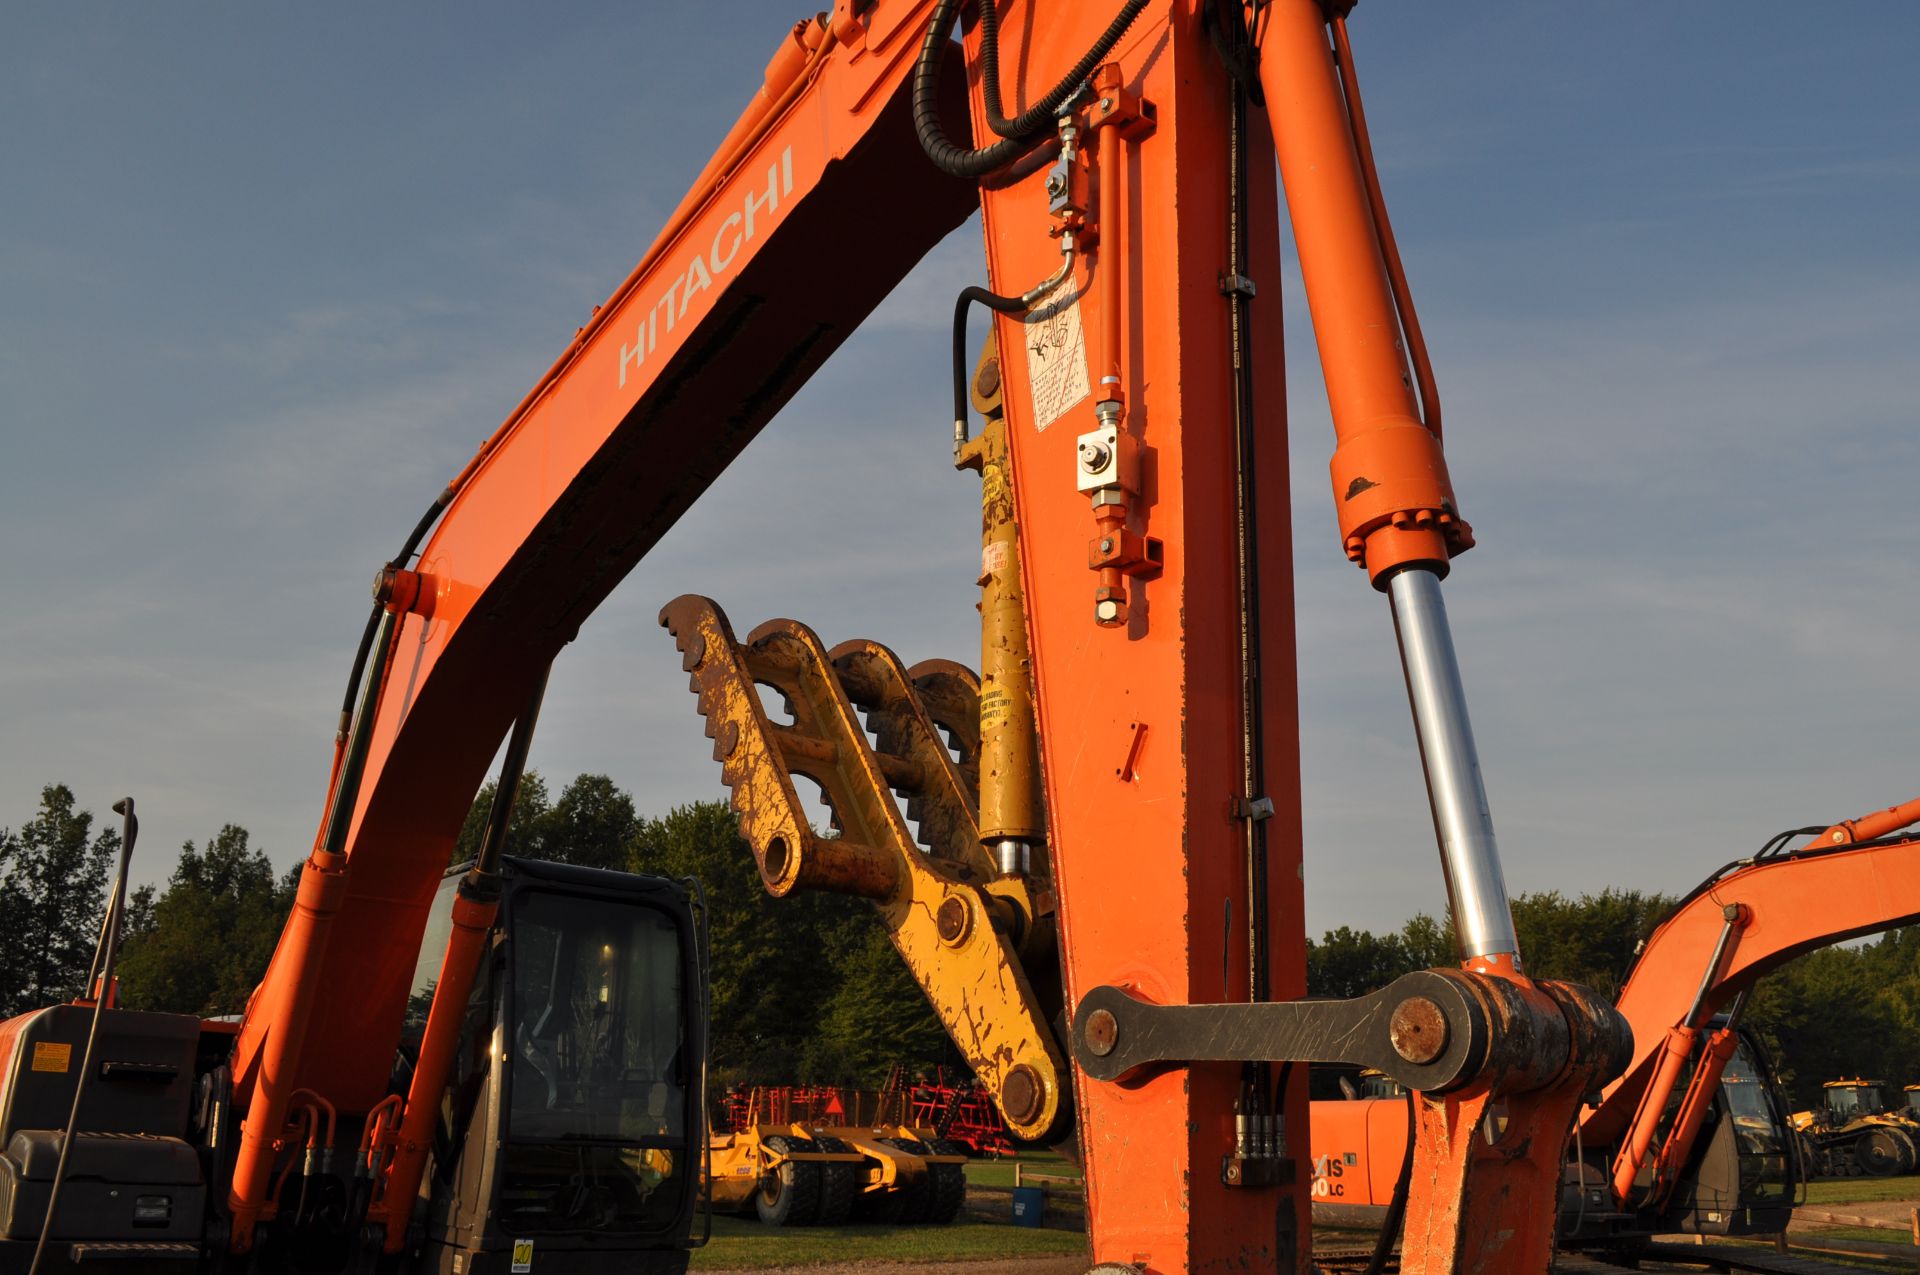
column 949, row 158
column 999, row 305
column 1018, row 136
column 1040, row 115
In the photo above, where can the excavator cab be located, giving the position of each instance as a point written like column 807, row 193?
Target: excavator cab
column 571, row 1129
column 1912, row 1095
column 1745, row 1171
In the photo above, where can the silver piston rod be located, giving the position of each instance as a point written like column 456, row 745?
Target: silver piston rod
column 1476, row 887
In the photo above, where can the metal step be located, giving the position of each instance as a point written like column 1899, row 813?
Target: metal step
column 1744, row 1257
column 134, row 1251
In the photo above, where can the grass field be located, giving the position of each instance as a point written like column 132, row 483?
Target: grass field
column 1825, row 1191
column 744, row 1244
column 999, row 1173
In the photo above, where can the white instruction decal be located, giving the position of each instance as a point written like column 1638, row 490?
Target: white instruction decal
column 1056, row 361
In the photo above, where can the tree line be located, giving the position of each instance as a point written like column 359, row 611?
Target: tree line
column 804, row 990
column 807, row 989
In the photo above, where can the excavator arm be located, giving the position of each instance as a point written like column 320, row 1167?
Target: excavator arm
column 817, row 204
column 1855, row 878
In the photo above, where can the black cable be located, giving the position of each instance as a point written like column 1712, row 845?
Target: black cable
column 1777, row 843
column 365, row 648
column 1397, row 1206
column 1039, row 117
column 999, row 305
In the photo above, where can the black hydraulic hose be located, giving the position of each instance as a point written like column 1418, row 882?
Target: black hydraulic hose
column 104, row 959
column 999, row 305
column 1018, row 136
column 1039, row 116
column 1778, row 842
column 346, row 791
column 414, row 538
column 951, row 159
column 1397, row 1207
column 486, row 864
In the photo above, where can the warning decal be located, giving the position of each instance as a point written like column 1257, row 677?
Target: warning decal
column 49, row 1055
column 522, row 1257
column 1056, row 361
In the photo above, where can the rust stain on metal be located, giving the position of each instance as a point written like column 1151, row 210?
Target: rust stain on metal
column 1418, row 1030
column 1102, row 1032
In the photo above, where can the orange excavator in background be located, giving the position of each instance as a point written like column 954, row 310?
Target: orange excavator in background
column 499, row 1070
column 1695, row 1136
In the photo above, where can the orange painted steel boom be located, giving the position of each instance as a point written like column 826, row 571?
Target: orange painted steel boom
column 819, row 203
column 1737, row 927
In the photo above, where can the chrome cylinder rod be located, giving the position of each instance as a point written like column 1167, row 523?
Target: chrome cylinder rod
column 1461, row 819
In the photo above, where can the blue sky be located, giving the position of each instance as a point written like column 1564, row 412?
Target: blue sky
column 268, row 275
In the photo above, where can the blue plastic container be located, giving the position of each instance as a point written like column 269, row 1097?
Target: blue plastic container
column 1029, row 1205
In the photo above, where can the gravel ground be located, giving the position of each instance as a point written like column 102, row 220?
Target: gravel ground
column 1069, row 1265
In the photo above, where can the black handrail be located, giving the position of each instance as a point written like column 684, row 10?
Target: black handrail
column 101, row 969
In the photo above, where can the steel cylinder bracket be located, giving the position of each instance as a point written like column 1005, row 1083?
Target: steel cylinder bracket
column 1430, row 1030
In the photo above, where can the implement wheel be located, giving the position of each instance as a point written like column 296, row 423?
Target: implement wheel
column 839, row 1183
column 1909, row 1147
column 949, row 1183
column 907, row 1205
column 789, row 1194
column 1880, row 1153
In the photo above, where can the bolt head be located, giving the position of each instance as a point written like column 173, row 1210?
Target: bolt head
column 1418, row 1030
column 1022, row 1095
column 1106, row 544
column 1103, row 1032
column 951, row 920
column 1107, row 611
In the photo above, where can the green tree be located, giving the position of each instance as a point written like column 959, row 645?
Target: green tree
column 1430, row 944
column 53, row 877
column 530, row 807
column 876, row 1017
column 1592, row 940
column 202, row 946
column 805, row 988
column 766, row 973
column 591, row 825
column 1348, row 963
column 1842, row 1012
